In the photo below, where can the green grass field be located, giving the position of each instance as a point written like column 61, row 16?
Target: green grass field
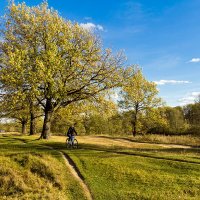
column 112, row 168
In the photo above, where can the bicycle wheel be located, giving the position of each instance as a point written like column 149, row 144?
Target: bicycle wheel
column 75, row 144
column 68, row 143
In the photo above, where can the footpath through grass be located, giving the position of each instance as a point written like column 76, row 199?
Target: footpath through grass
column 113, row 168
column 32, row 172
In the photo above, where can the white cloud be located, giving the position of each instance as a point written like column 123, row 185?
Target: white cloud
column 163, row 82
column 190, row 98
column 91, row 27
column 195, row 60
column 88, row 18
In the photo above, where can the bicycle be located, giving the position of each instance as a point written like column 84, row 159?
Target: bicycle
column 72, row 145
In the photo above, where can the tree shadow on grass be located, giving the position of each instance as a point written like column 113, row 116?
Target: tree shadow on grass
column 146, row 153
column 87, row 149
column 19, row 149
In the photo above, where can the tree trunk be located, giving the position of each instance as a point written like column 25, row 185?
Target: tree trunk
column 32, row 124
column 47, row 120
column 135, row 126
column 135, row 120
column 32, row 119
column 24, row 122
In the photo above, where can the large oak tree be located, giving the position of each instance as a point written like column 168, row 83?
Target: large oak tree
column 56, row 61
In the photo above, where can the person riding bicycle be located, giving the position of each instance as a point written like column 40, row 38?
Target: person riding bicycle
column 71, row 134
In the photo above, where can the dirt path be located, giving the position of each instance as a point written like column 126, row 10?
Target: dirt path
column 179, row 146
column 74, row 171
column 120, row 142
column 77, row 175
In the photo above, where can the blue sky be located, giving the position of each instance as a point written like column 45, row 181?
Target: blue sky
column 162, row 36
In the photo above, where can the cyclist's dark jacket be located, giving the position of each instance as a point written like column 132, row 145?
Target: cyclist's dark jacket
column 71, row 131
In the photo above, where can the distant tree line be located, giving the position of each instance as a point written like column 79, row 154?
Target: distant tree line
column 163, row 120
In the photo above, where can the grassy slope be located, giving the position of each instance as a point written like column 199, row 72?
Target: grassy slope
column 28, row 171
column 113, row 169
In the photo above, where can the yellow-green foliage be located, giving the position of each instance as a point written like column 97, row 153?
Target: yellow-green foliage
column 56, row 61
column 140, row 93
column 139, row 96
column 53, row 57
column 80, row 112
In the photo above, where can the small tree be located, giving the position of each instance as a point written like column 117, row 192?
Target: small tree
column 13, row 108
column 192, row 117
column 155, row 121
column 176, row 119
column 139, row 95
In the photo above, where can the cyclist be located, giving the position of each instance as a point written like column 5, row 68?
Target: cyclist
column 71, row 134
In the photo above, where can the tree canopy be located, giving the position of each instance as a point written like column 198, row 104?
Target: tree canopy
column 139, row 95
column 56, row 61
